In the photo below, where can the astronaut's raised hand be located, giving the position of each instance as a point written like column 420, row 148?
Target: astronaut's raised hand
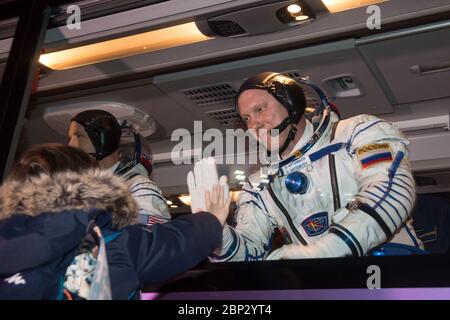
column 202, row 179
column 217, row 202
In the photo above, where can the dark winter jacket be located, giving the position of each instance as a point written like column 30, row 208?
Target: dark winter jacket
column 43, row 221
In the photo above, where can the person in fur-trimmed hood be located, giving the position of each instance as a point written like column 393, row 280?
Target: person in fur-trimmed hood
column 51, row 198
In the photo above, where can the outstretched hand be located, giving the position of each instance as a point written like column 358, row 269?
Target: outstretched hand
column 217, row 202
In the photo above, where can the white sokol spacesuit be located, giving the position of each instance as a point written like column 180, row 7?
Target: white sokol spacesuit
column 359, row 194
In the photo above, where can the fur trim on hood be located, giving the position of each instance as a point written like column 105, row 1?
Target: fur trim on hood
column 94, row 189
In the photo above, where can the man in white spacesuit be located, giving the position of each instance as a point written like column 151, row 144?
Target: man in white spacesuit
column 98, row 133
column 341, row 188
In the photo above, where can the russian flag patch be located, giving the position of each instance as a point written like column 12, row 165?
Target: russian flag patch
column 372, row 154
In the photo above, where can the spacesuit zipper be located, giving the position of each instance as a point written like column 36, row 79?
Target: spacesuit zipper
column 333, row 175
column 286, row 214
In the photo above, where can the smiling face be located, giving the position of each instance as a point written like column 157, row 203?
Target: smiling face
column 79, row 138
column 262, row 112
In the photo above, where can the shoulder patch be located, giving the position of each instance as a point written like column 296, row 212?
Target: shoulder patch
column 371, row 154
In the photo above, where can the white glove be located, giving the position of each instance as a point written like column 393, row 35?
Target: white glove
column 328, row 246
column 201, row 180
column 290, row 251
